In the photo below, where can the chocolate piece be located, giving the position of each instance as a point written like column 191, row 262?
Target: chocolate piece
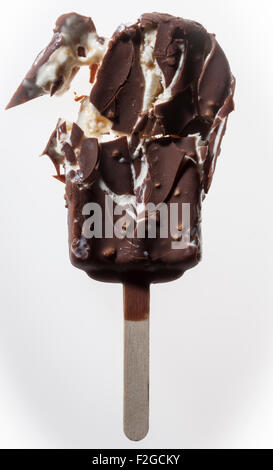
column 167, row 49
column 118, row 95
column 176, row 114
column 115, row 166
column 128, row 102
column 28, row 89
column 70, row 29
column 52, row 149
column 60, row 178
column 214, row 82
column 88, row 159
column 165, row 160
column 76, row 134
column 119, row 59
column 69, row 153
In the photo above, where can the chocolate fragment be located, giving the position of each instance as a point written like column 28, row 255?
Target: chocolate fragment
column 52, row 150
column 214, row 82
column 60, row 178
column 165, row 160
column 118, row 91
column 118, row 59
column 70, row 29
column 69, row 153
column 76, row 135
column 167, row 49
column 88, row 159
column 115, row 170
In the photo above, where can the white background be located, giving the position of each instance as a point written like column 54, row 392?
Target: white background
column 61, row 334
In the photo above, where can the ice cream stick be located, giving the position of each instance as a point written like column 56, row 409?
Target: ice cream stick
column 136, row 360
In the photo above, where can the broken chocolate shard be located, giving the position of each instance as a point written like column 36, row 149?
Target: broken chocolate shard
column 112, row 73
column 52, row 149
column 24, row 94
column 69, row 153
column 88, row 159
column 215, row 81
column 116, row 172
column 165, row 160
column 76, row 135
column 129, row 99
column 176, row 113
column 29, row 89
column 187, row 144
column 60, row 178
column 167, row 50
column 118, row 90
column 70, row 29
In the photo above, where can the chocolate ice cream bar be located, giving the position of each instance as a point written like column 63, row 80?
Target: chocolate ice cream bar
column 150, row 132
column 138, row 161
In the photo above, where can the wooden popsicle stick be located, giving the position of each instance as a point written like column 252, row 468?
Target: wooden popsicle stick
column 136, row 298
